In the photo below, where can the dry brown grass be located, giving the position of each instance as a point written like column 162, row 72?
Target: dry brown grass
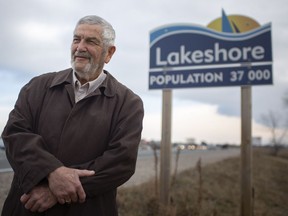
column 220, row 190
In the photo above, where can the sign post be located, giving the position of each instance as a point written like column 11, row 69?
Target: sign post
column 165, row 155
column 190, row 56
column 246, row 152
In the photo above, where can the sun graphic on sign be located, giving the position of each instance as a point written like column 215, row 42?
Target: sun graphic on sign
column 233, row 23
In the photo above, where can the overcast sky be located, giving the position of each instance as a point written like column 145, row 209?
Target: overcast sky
column 36, row 36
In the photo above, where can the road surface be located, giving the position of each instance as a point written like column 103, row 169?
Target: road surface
column 145, row 168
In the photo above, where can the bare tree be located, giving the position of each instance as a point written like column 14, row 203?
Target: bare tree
column 277, row 128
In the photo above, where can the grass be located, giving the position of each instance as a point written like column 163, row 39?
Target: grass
column 214, row 190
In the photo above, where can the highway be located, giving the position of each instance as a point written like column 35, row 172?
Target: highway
column 4, row 164
column 145, row 168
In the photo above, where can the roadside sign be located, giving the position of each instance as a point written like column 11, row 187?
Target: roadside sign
column 187, row 56
column 233, row 51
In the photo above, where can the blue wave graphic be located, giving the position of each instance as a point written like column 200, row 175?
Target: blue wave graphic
column 168, row 30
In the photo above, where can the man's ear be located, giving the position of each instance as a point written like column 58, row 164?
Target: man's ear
column 110, row 52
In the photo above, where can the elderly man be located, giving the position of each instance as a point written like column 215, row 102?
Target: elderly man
column 73, row 135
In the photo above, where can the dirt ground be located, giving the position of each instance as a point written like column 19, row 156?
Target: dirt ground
column 145, row 169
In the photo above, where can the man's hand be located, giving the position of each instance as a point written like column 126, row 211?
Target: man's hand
column 66, row 186
column 39, row 199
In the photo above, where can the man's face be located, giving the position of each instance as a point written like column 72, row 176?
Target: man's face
column 88, row 53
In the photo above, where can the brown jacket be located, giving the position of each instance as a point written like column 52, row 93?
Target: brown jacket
column 46, row 130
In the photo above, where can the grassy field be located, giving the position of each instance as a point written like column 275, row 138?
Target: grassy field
column 214, row 190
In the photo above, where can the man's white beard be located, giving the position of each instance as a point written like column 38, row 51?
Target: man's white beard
column 89, row 69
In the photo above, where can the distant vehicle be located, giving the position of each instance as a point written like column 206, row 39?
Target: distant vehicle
column 186, row 146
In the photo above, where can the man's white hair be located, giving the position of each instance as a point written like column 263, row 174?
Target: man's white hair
column 108, row 31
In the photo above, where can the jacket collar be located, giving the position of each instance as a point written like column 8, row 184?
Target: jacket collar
column 108, row 86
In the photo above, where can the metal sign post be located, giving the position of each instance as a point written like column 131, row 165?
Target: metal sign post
column 246, row 152
column 165, row 155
